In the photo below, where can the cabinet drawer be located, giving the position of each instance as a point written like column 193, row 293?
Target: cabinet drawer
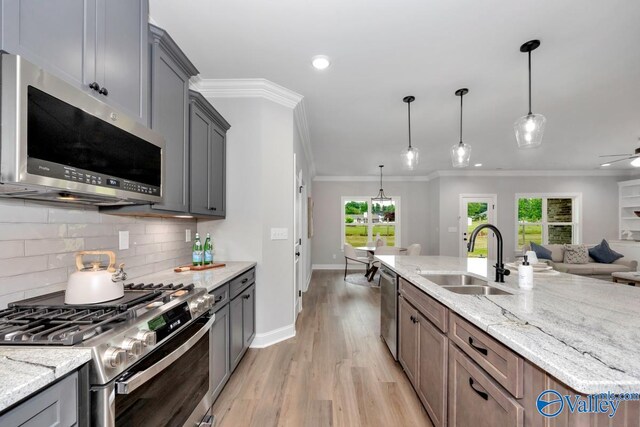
column 430, row 308
column 238, row 284
column 505, row 366
column 221, row 296
column 475, row 399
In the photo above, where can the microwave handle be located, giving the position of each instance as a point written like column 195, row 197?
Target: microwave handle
column 130, row 385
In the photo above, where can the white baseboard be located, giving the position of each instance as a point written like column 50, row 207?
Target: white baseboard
column 337, row 267
column 273, row 337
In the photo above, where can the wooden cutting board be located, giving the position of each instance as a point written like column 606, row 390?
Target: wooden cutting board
column 199, row 267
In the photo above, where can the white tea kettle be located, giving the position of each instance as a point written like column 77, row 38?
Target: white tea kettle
column 95, row 284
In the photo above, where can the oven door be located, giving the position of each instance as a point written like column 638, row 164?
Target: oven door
column 173, row 385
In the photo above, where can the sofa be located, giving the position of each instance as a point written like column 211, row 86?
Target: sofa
column 591, row 269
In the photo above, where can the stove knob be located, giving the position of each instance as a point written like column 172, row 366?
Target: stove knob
column 114, row 357
column 208, row 301
column 148, row 338
column 133, row 346
column 197, row 305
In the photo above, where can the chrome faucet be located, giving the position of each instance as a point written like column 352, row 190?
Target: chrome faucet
column 500, row 270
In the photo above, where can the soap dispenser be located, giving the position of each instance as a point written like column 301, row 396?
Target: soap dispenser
column 525, row 274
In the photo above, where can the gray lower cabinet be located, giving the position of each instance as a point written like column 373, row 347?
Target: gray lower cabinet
column 221, row 367
column 408, row 339
column 57, row 405
column 101, row 41
column 208, row 149
column 243, row 330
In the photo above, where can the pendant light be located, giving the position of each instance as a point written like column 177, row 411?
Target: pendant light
column 381, row 197
column 461, row 152
column 409, row 157
column 529, row 128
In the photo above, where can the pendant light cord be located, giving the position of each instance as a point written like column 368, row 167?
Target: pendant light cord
column 530, row 83
column 462, row 95
column 409, row 115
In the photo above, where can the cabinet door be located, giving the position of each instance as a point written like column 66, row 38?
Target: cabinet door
column 408, row 336
column 236, row 331
column 432, row 371
column 220, row 366
column 217, row 172
column 122, row 55
column 169, row 117
column 477, row 400
column 249, row 315
column 201, row 130
column 56, row 35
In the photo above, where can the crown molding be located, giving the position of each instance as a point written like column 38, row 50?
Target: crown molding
column 302, row 125
column 246, row 88
column 475, row 173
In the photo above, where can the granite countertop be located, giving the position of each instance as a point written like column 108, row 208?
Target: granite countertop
column 209, row 279
column 26, row 370
column 584, row 332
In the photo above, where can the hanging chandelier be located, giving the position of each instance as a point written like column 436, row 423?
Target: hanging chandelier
column 529, row 128
column 381, row 197
column 461, row 152
column 410, row 156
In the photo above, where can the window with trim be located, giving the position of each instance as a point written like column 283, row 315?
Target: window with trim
column 547, row 219
column 364, row 221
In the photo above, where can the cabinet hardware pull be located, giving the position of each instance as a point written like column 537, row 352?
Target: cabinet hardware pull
column 218, row 299
column 246, row 296
column 414, row 319
column 245, row 280
column 95, row 86
column 480, row 349
column 482, row 394
column 297, row 253
column 103, row 91
column 212, row 209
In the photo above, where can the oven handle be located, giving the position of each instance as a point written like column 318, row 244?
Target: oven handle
column 126, row 387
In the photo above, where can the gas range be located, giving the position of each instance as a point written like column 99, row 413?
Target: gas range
column 120, row 333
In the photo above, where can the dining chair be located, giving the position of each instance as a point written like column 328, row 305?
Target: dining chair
column 351, row 257
column 381, row 250
column 414, row 249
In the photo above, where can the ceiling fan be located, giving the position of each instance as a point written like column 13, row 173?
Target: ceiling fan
column 634, row 157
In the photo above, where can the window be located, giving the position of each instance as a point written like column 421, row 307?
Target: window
column 363, row 221
column 547, row 219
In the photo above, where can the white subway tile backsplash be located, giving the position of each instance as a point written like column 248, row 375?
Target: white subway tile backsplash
column 12, row 249
column 52, row 246
column 27, row 231
column 38, row 242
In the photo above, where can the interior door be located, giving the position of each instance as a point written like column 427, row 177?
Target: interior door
column 297, row 247
column 474, row 211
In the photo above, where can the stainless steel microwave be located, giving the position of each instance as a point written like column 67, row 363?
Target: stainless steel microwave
column 59, row 143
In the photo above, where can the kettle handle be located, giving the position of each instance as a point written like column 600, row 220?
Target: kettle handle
column 111, row 254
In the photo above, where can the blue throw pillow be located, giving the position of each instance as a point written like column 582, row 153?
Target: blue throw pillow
column 602, row 253
column 541, row 251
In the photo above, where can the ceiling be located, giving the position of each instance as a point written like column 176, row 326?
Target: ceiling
column 586, row 74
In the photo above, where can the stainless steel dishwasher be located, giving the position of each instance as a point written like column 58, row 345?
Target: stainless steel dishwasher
column 389, row 309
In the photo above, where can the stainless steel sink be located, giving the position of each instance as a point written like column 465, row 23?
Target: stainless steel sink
column 454, row 280
column 476, row 290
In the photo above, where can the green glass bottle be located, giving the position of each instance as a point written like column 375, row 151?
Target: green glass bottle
column 197, row 251
column 208, row 254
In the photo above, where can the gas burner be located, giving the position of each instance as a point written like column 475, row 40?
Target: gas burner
column 158, row 286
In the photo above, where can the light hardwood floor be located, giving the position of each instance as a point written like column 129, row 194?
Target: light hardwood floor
column 335, row 372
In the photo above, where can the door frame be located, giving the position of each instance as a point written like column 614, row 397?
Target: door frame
column 462, row 223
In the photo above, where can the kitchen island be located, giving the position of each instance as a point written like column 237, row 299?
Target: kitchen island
column 569, row 333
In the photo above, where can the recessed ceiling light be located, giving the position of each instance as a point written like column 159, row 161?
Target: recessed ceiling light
column 320, row 62
column 636, row 162
column 478, row 165
column 604, row 165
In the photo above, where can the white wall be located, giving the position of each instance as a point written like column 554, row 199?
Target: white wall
column 599, row 204
column 259, row 197
column 38, row 242
column 327, row 197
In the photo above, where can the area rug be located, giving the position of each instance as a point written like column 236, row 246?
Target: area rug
column 360, row 280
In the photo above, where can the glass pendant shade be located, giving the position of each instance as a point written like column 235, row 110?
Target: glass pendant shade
column 409, row 158
column 460, row 155
column 529, row 130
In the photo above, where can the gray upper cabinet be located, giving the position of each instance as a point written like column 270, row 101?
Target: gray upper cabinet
column 208, row 149
column 86, row 42
column 170, row 73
